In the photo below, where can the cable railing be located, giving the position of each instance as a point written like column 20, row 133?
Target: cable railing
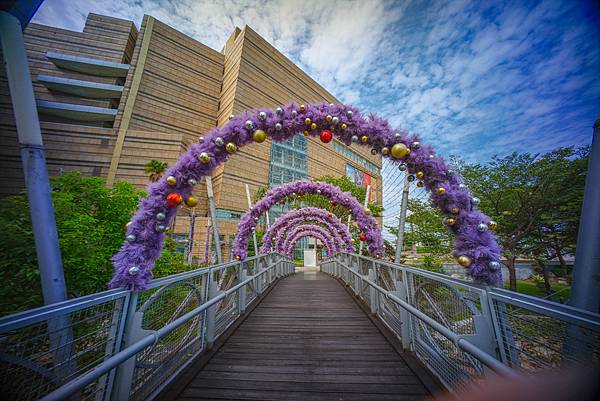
column 464, row 332
column 122, row 345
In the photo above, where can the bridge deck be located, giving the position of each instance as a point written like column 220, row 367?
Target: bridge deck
column 307, row 340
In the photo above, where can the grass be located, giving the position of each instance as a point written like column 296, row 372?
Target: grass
column 561, row 292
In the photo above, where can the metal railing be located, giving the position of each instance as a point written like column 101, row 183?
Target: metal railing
column 121, row 345
column 464, row 332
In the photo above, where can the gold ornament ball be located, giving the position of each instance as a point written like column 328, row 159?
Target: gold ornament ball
column 492, row 225
column 191, row 201
column 307, row 121
column 464, row 261
column 352, row 240
column 420, row 175
column 313, row 126
column 305, row 133
column 204, row 157
column 329, row 118
column 399, row 150
column 237, row 257
column 364, row 139
column 344, row 126
column 441, row 191
column 172, row 181
column 273, row 239
column 385, row 151
column 420, row 184
column 302, row 108
column 454, row 210
column 230, row 147
column 259, row 136
column 367, row 210
column 450, row 221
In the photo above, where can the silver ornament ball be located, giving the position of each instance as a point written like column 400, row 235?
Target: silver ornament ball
column 294, row 113
column 133, row 270
column 192, row 182
column 373, row 151
column 335, row 120
column 482, row 227
column 219, row 141
column 231, row 116
column 249, row 124
column 410, row 178
column 354, row 138
column 130, row 238
column 279, row 110
column 200, row 139
column 278, row 127
column 397, row 136
column 160, row 228
column 402, row 167
column 349, row 114
column 262, row 116
column 319, row 191
column 494, row 265
column 161, row 216
column 462, row 186
column 475, row 201
column 415, row 145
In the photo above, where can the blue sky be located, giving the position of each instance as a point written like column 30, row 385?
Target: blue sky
column 473, row 78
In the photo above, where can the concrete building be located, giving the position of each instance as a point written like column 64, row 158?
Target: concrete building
column 113, row 97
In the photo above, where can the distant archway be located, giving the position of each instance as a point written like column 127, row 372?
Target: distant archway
column 289, row 251
column 286, row 221
column 366, row 222
column 282, row 244
column 475, row 246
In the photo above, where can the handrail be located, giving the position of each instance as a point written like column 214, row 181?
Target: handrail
column 478, row 353
column 80, row 382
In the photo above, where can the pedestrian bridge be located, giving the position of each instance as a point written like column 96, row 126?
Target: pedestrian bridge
column 356, row 328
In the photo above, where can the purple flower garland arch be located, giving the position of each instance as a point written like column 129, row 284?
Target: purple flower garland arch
column 282, row 244
column 289, row 251
column 286, row 221
column 476, row 245
column 333, row 237
column 366, row 222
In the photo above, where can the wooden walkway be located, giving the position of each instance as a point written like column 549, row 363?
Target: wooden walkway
column 307, row 340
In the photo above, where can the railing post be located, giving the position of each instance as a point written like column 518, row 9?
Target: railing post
column 373, row 298
column 133, row 332
column 242, row 291
column 258, row 278
column 211, row 313
column 405, row 322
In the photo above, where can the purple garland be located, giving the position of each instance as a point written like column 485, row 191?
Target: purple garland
column 282, row 244
column 289, row 250
column 286, row 221
column 145, row 234
column 366, row 222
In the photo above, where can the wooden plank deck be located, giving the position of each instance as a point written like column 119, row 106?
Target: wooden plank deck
column 307, row 340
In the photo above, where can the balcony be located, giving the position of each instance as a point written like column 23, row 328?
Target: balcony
column 89, row 66
column 93, row 90
column 76, row 112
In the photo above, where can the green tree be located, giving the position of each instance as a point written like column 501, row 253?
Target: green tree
column 155, row 169
column 525, row 193
column 90, row 219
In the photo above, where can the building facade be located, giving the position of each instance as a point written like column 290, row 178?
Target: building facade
column 112, row 97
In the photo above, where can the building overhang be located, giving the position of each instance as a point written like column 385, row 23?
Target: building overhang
column 76, row 112
column 87, row 65
column 80, row 88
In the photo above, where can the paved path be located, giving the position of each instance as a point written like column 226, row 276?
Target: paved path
column 307, row 340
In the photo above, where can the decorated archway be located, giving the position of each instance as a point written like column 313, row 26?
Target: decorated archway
column 366, row 222
column 289, row 251
column 475, row 246
column 283, row 243
column 285, row 222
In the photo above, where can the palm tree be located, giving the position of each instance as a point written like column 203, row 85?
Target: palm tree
column 155, row 169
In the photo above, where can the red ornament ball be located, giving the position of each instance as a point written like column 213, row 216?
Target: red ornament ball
column 174, row 199
column 363, row 237
column 326, row 136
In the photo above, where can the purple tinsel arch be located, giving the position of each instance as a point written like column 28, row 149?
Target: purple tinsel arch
column 282, row 244
column 366, row 222
column 335, row 242
column 145, row 234
column 288, row 220
column 289, row 251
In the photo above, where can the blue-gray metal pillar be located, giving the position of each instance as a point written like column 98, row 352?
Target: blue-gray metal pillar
column 402, row 220
column 585, row 292
column 34, row 161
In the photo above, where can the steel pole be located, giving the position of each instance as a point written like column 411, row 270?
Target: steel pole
column 34, row 162
column 402, row 220
column 213, row 218
column 585, row 292
column 253, row 232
